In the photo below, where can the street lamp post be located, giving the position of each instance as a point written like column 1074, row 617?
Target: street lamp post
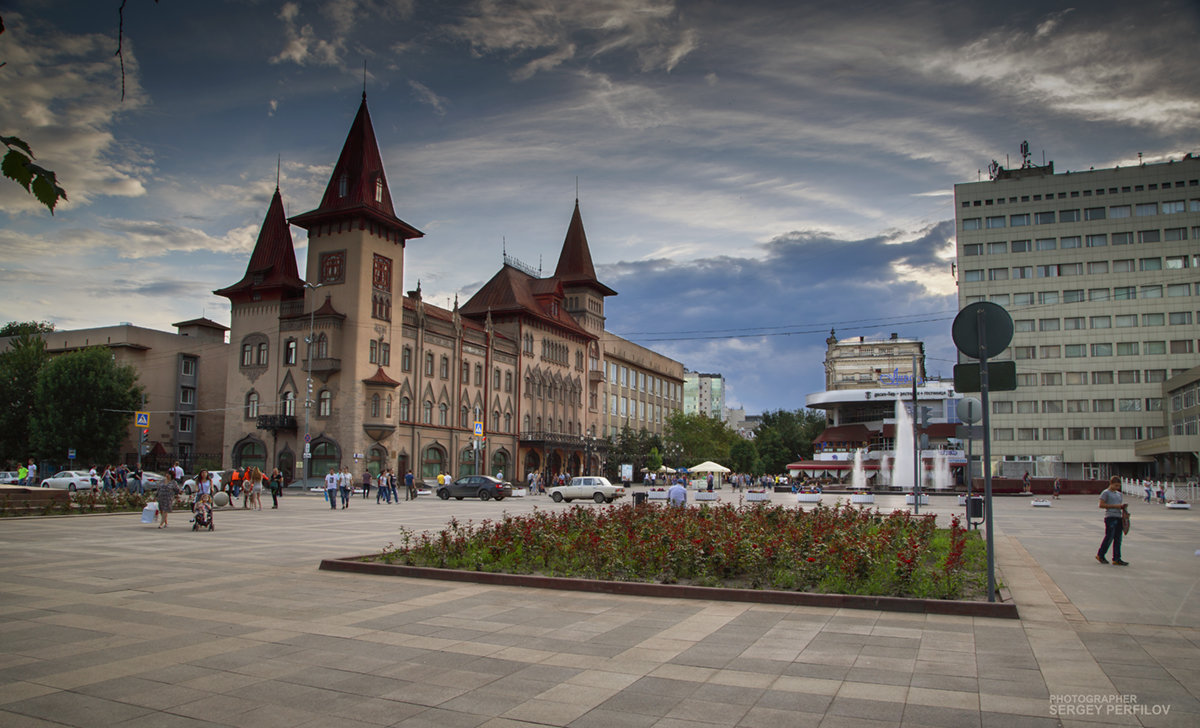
column 308, row 380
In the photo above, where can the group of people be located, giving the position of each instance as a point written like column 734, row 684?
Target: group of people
column 27, row 474
column 110, row 478
column 339, row 486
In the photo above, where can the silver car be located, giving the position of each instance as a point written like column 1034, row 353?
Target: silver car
column 592, row 487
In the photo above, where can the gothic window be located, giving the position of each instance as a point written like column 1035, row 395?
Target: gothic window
column 324, row 403
column 508, row 421
column 373, row 356
column 343, row 185
column 289, row 403
column 427, row 414
column 508, row 381
column 443, row 414
column 496, row 378
column 289, row 352
column 405, row 404
column 262, row 354
column 478, row 375
column 379, row 189
column 247, row 355
column 525, row 422
column 464, row 417
column 429, row 363
column 385, row 354
column 444, row 368
column 466, row 372
column 252, row 405
column 332, row 267
column 388, row 412
column 406, row 359
column 374, row 406
column 496, row 421
column 322, row 346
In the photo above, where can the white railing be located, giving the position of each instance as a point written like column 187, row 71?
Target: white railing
column 1171, row 491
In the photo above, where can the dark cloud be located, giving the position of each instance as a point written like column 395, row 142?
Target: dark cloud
column 762, row 321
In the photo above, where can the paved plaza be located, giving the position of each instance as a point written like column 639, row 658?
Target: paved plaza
column 107, row 621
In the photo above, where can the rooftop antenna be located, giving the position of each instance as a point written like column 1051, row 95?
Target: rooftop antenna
column 364, row 79
column 278, row 164
column 539, row 265
column 577, row 188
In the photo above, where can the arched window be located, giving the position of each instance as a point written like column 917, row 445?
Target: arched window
column 539, row 424
column 496, row 421
column 508, row 381
column 508, row 421
column 247, row 354
column 325, row 455
column 373, row 351
column 525, row 423
column 433, row 461
column 324, row 403
column 374, row 406
column 500, row 463
column 429, row 363
column 466, row 372
column 289, row 403
column 444, row 368
column 385, row 354
column 322, row 346
column 388, row 411
column 405, row 404
column 289, row 352
column 464, row 417
column 427, row 413
column 252, row 406
column 478, row 375
column 406, row 359
column 379, row 188
column 466, row 461
column 343, row 186
column 443, row 414
column 376, row 458
column 250, row 453
column 262, row 354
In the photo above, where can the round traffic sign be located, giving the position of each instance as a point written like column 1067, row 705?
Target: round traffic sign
column 983, row 316
column 969, row 409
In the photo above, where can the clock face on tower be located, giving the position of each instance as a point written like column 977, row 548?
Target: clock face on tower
column 333, row 267
column 381, row 279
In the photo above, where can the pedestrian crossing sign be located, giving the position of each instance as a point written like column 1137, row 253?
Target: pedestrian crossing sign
column 478, row 429
column 141, row 419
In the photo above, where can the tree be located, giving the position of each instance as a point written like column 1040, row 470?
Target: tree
column 654, row 461
column 16, row 328
column 743, row 456
column 630, row 446
column 787, row 435
column 19, row 367
column 699, row 438
column 83, row 400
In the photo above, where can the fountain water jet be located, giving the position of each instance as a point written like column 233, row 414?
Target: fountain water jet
column 941, row 471
column 902, row 468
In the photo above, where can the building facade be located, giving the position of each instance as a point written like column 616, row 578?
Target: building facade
column 1176, row 451
column 344, row 366
column 704, row 394
column 183, row 376
column 1099, row 272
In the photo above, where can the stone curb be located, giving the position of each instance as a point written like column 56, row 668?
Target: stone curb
column 362, row 565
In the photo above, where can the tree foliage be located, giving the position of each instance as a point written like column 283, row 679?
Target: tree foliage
column 83, row 400
column 18, row 166
column 19, row 367
column 630, row 446
column 786, row 436
column 698, row 438
column 654, row 460
column 16, row 328
column 743, row 456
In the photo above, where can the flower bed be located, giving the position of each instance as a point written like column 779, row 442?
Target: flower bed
column 840, row 550
column 89, row 501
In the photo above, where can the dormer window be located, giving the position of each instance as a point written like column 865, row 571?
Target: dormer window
column 379, row 189
column 343, row 186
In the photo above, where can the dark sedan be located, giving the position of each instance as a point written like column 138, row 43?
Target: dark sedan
column 483, row 487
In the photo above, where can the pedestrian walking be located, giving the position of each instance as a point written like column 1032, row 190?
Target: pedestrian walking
column 167, row 490
column 366, row 484
column 31, row 478
column 276, row 487
column 1111, row 501
column 410, row 490
column 382, row 491
column 331, row 485
column 345, row 486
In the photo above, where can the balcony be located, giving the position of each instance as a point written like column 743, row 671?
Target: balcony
column 377, row 428
column 323, row 367
column 276, row 422
column 595, row 375
column 560, row 439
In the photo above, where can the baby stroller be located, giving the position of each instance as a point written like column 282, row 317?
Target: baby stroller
column 202, row 516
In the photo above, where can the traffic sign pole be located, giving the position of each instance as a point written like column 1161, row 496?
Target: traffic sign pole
column 987, row 454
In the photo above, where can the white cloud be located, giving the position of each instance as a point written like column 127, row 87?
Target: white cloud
column 339, row 19
column 426, row 96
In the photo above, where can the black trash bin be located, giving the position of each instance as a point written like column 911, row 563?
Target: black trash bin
column 975, row 507
column 639, row 497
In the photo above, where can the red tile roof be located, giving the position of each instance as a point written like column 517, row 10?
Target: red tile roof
column 272, row 268
column 381, row 377
column 575, row 260
column 516, row 292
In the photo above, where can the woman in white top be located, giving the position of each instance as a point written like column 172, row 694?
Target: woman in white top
column 331, row 484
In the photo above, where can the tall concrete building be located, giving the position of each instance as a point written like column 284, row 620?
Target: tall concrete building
column 1099, row 271
column 704, row 394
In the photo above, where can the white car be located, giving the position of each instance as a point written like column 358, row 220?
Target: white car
column 587, row 486
column 71, row 480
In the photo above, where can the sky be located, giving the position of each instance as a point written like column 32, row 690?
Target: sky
column 751, row 175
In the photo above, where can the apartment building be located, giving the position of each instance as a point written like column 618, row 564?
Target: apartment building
column 1099, row 272
column 704, row 394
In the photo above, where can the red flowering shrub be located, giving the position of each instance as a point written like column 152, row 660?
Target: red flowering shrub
column 840, row 549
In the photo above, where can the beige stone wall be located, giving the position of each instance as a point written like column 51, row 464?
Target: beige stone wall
column 643, row 379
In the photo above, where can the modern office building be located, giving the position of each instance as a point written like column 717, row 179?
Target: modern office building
column 1176, row 451
column 704, row 394
column 1099, row 272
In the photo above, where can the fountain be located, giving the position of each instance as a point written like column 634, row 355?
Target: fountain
column 902, row 468
column 858, row 481
column 885, row 470
column 941, row 471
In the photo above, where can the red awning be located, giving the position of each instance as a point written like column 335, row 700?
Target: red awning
column 845, row 433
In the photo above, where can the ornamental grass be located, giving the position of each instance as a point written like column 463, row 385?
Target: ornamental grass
column 842, row 550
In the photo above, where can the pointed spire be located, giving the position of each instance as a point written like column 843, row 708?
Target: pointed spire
column 272, row 265
column 358, row 185
column 575, row 261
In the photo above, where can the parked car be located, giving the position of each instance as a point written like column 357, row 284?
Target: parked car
column 9, row 477
column 483, row 487
column 71, row 480
column 587, row 486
